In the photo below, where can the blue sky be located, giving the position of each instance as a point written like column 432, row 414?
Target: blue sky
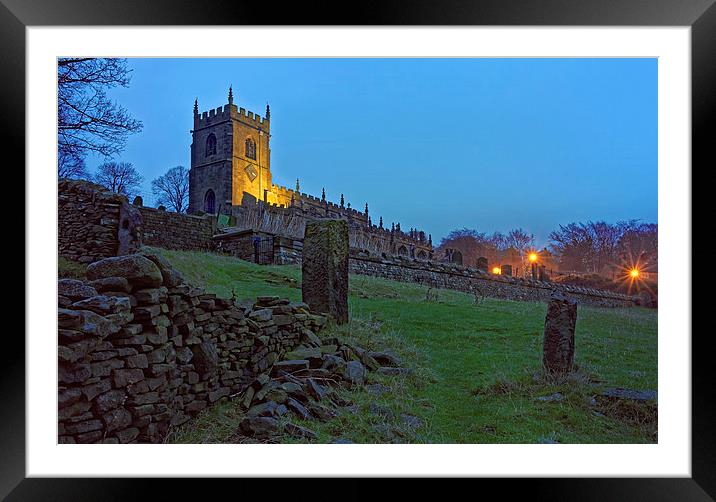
column 439, row 144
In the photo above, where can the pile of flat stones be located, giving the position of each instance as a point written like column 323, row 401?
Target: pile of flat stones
column 304, row 384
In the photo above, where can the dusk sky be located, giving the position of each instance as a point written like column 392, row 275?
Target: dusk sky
column 439, row 144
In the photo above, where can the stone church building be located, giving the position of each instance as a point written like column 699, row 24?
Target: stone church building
column 231, row 166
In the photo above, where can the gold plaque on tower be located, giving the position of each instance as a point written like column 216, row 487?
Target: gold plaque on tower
column 251, row 171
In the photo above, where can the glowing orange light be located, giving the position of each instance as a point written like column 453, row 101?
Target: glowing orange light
column 533, row 257
column 634, row 273
column 496, row 270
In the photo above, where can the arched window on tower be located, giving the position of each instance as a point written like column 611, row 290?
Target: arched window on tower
column 250, row 148
column 210, row 145
column 209, row 202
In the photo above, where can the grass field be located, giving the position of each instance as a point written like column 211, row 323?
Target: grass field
column 476, row 376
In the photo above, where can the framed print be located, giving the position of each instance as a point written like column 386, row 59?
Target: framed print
column 425, row 244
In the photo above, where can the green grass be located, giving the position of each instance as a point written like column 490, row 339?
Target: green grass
column 476, row 366
column 68, row 269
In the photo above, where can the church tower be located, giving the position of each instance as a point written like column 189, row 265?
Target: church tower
column 230, row 155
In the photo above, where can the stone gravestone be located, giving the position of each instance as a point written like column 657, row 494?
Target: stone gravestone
column 558, row 350
column 129, row 233
column 324, row 268
column 543, row 275
column 482, row 263
column 646, row 299
column 456, row 257
column 506, row 270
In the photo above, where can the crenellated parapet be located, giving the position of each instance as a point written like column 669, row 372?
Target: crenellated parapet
column 230, row 112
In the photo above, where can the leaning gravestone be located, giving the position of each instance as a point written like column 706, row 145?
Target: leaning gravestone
column 482, row 263
column 543, row 276
column 456, row 257
column 325, row 268
column 558, row 350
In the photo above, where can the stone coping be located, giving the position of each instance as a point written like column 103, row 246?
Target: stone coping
column 459, row 270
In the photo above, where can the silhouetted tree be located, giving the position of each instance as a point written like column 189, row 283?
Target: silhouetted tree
column 594, row 246
column 497, row 247
column 120, row 177
column 71, row 165
column 172, row 189
column 87, row 120
column 574, row 246
column 499, row 240
column 521, row 241
column 639, row 244
column 471, row 244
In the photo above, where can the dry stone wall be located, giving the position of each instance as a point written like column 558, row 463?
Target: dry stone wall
column 456, row 277
column 139, row 350
column 172, row 230
column 274, row 249
column 94, row 223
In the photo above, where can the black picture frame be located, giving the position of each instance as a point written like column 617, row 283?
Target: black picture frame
column 700, row 15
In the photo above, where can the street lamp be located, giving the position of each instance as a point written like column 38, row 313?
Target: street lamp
column 634, row 273
column 533, row 260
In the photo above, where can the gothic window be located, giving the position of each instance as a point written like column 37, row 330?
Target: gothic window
column 209, row 202
column 403, row 251
column 210, row 145
column 251, row 149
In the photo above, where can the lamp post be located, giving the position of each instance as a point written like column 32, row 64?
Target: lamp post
column 533, row 261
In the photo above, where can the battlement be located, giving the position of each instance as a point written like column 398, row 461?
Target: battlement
column 228, row 112
column 281, row 190
column 251, row 118
column 397, row 236
column 298, row 196
column 213, row 116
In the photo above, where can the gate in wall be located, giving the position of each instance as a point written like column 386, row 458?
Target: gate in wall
column 263, row 250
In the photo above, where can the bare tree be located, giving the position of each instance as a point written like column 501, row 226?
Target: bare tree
column 172, row 189
column 87, row 120
column 574, row 245
column 499, row 240
column 120, row 177
column 592, row 246
column 473, row 244
column 519, row 240
column 639, row 244
column 606, row 242
column 71, row 165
